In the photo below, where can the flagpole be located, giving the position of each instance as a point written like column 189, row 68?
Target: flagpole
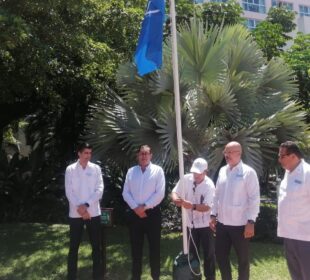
column 178, row 113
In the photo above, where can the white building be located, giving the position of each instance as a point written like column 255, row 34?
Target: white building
column 256, row 11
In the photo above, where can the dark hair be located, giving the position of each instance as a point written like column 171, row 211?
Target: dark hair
column 82, row 146
column 292, row 148
column 142, row 147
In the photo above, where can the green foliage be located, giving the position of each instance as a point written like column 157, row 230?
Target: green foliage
column 52, row 52
column 271, row 34
column 55, row 59
column 29, row 192
column 228, row 91
column 266, row 224
column 117, row 24
column 282, row 16
column 269, row 37
column 211, row 13
column 9, row 136
column 55, row 54
column 185, row 9
column 298, row 57
column 217, row 13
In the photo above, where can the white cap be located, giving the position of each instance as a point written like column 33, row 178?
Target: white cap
column 199, row 166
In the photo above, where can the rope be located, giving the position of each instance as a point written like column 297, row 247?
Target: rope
column 190, row 237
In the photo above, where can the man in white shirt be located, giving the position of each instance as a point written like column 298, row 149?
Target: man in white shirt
column 84, row 189
column 144, row 189
column 294, row 210
column 234, row 211
column 196, row 197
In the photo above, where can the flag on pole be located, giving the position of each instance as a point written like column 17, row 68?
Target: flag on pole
column 148, row 55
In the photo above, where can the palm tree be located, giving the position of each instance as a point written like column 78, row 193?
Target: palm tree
column 228, row 92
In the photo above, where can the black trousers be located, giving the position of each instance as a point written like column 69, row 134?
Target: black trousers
column 138, row 228
column 226, row 237
column 76, row 231
column 204, row 237
column 297, row 254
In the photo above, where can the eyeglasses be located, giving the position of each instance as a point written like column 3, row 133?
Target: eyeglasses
column 230, row 152
column 283, row 155
column 144, row 153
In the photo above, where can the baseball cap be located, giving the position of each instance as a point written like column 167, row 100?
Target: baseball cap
column 199, row 166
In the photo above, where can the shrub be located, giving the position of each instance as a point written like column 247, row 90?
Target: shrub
column 266, row 224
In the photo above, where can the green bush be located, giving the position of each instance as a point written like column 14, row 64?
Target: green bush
column 171, row 217
column 29, row 193
column 265, row 227
column 266, row 224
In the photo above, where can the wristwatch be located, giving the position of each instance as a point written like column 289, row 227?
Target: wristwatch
column 194, row 206
column 86, row 204
column 251, row 222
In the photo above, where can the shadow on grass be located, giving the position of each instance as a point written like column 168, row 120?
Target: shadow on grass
column 32, row 251
column 38, row 251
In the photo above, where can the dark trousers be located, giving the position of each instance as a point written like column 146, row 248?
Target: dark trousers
column 297, row 254
column 204, row 237
column 151, row 227
column 76, row 231
column 227, row 236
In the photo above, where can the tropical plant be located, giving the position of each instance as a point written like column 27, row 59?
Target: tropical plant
column 55, row 57
column 217, row 13
column 212, row 13
column 272, row 34
column 30, row 192
column 228, row 92
column 269, row 36
column 284, row 17
column 298, row 57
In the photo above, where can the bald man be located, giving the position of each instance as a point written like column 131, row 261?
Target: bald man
column 235, row 209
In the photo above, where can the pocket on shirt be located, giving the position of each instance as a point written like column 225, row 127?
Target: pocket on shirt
column 238, row 192
column 296, row 191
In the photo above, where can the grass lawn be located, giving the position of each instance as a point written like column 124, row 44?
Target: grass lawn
column 39, row 251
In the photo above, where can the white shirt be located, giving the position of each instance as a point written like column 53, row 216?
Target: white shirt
column 146, row 187
column 84, row 186
column 203, row 193
column 237, row 195
column 294, row 204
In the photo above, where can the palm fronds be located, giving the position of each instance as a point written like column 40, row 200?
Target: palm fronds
column 228, row 90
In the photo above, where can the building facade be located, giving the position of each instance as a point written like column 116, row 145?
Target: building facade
column 256, row 11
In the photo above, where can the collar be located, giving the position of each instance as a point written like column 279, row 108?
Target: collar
column 298, row 169
column 236, row 168
column 203, row 181
column 78, row 164
column 146, row 168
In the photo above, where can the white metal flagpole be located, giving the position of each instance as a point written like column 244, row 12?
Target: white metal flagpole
column 178, row 113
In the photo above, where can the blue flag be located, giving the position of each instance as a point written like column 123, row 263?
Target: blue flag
column 148, row 55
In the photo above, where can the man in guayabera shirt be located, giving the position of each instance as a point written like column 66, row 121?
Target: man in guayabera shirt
column 143, row 191
column 196, row 197
column 294, row 210
column 84, row 189
column 234, row 211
